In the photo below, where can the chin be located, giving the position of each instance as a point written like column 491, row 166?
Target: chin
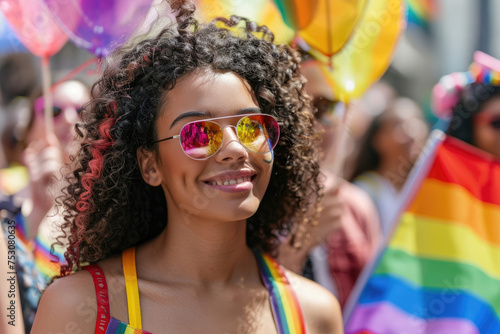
column 239, row 211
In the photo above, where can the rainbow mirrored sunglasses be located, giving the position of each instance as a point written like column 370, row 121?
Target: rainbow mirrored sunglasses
column 258, row 133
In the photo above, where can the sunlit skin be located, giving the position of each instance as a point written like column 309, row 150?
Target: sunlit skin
column 485, row 136
column 204, row 278
column 183, row 179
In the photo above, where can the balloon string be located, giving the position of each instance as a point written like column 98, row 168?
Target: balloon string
column 47, row 95
column 340, row 142
column 76, row 71
column 329, row 31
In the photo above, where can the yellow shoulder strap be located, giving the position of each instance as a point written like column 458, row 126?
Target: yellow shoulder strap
column 130, row 274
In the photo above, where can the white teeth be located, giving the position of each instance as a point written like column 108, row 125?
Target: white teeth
column 230, row 181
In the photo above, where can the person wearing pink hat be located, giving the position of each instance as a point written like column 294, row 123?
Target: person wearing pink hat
column 472, row 101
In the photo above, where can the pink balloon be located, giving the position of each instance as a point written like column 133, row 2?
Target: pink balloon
column 99, row 25
column 34, row 26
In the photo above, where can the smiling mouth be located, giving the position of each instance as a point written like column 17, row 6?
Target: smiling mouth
column 228, row 182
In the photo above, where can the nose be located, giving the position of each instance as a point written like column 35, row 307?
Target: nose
column 232, row 150
column 70, row 115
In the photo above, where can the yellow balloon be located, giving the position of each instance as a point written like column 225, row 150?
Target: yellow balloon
column 333, row 24
column 367, row 55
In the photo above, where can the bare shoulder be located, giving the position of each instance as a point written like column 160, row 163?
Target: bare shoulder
column 68, row 305
column 321, row 309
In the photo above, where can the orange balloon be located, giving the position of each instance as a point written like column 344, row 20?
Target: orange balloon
column 333, row 24
column 367, row 55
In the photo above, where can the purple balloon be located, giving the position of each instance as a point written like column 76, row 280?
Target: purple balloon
column 99, row 26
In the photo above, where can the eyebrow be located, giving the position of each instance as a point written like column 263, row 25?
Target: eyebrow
column 191, row 114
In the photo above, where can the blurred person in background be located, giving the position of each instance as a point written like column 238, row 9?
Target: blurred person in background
column 387, row 154
column 45, row 152
column 476, row 117
column 18, row 79
column 28, row 192
column 348, row 230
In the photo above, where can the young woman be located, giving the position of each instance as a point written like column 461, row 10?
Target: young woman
column 197, row 152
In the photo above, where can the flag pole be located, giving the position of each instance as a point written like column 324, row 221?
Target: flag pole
column 411, row 186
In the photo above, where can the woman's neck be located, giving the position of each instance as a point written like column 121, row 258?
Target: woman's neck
column 202, row 252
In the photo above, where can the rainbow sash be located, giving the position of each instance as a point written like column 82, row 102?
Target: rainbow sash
column 286, row 308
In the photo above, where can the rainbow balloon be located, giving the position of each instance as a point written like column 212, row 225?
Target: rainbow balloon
column 297, row 14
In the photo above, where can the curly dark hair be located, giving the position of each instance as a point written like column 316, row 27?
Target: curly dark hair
column 107, row 205
column 471, row 103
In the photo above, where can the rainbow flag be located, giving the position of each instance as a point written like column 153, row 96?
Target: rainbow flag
column 440, row 272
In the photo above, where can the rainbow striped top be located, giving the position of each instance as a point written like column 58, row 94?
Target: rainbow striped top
column 285, row 306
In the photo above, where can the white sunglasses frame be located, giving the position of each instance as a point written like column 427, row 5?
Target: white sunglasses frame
column 222, row 128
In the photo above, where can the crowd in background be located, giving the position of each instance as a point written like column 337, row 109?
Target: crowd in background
column 386, row 135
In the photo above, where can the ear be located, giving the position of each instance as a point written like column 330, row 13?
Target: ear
column 149, row 167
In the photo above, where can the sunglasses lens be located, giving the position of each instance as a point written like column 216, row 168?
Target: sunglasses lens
column 200, row 140
column 56, row 111
column 258, row 133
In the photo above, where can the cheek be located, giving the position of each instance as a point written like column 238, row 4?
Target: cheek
column 265, row 163
column 485, row 137
column 177, row 171
column 64, row 132
column 180, row 174
column 388, row 141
